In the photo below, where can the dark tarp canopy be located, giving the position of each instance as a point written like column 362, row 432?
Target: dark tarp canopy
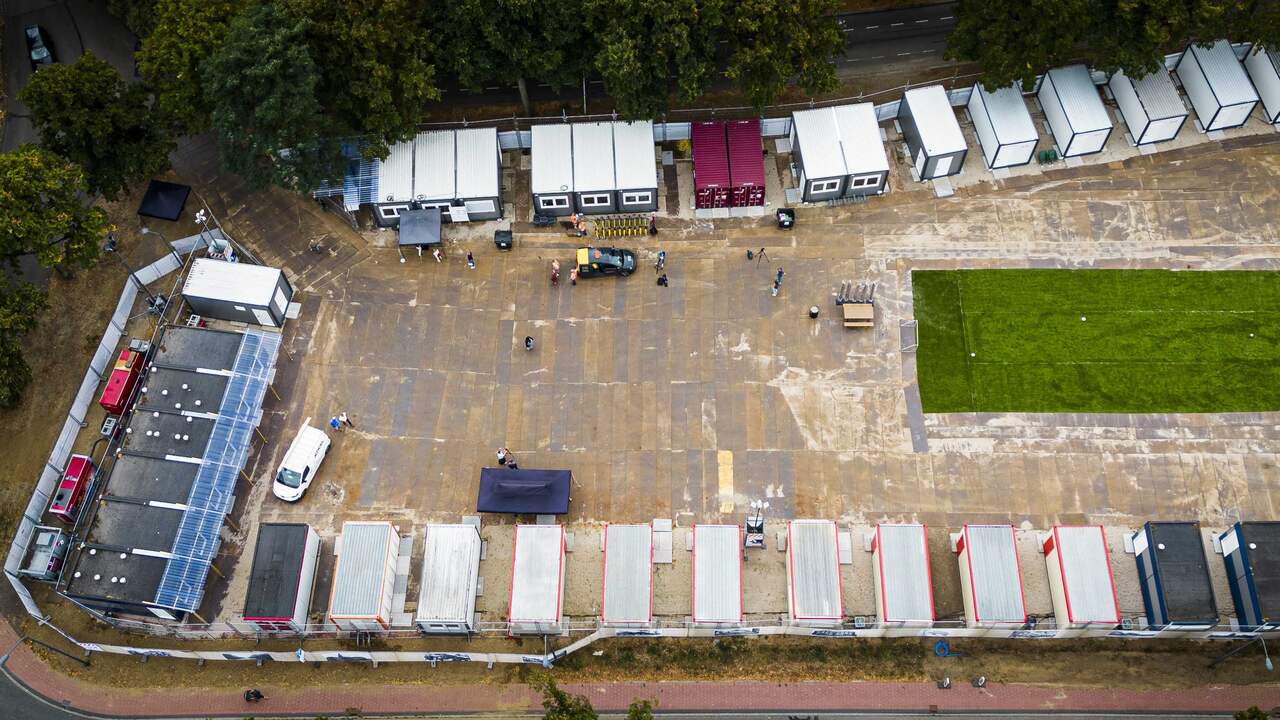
column 420, row 227
column 534, row 492
column 164, row 200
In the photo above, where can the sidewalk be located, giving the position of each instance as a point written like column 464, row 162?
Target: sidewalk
column 668, row 696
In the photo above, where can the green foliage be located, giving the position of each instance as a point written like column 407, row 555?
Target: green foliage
column 138, row 15
column 42, row 212
column 1253, row 713
column 187, row 33
column 558, row 704
column 263, row 82
column 777, row 43
column 1016, row 39
column 640, row 710
column 88, row 114
column 19, row 307
column 500, row 41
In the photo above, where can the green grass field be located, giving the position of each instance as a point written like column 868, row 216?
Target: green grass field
column 1150, row 340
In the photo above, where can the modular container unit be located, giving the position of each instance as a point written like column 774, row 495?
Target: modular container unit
column 711, row 181
column 1151, row 106
column 238, row 292
column 626, row 597
column 931, row 132
column 1263, row 65
column 1003, row 125
column 815, row 594
column 552, row 169
column 865, row 163
column 450, row 579
column 1077, row 117
column 636, row 174
column 901, row 574
column 1251, row 551
column 537, row 580
column 1080, row 580
column 479, row 175
column 746, row 163
column 435, row 170
column 838, row 152
column 282, row 578
column 364, row 576
column 1217, row 85
column 1174, row 575
column 395, row 184
column 594, row 181
column 991, row 576
column 717, row 574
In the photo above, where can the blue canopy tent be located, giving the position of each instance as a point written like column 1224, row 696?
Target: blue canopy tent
column 532, row 492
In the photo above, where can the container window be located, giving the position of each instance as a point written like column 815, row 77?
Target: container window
column 637, row 198
column 595, row 200
column 820, row 186
column 863, row 181
column 548, row 203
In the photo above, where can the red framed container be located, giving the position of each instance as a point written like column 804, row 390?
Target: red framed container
column 711, row 181
column 746, row 163
column 72, row 488
column 123, row 379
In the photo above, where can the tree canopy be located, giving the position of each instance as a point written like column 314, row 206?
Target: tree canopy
column 186, row 35
column 42, row 212
column 777, row 43
column 20, row 305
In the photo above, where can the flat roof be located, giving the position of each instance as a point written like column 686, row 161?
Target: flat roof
column 537, row 574
column 628, row 574
column 368, row 553
column 552, row 159
column 633, row 158
column 135, row 526
column 450, row 568
column 717, row 574
column 1178, row 552
column 903, row 561
column 593, row 157
column 1074, row 88
column 813, row 570
column 1224, row 73
column 1262, row 540
column 819, row 138
column 186, row 347
column 278, row 557
column 233, row 282
column 995, row 574
column 395, row 174
column 860, row 142
column 434, row 168
column 147, row 478
column 1007, row 111
column 165, row 388
column 1159, row 96
column 136, row 576
column 935, row 119
column 477, row 168
column 162, row 432
column 1086, row 574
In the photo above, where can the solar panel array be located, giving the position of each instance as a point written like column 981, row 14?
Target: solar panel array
column 359, row 184
column 182, row 585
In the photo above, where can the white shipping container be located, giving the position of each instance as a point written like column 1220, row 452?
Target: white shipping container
column 1003, row 125
column 537, row 580
column 717, row 574
column 627, row 595
column 1263, row 65
column 364, row 576
column 1080, row 580
column 450, row 576
column 1151, row 106
column 991, row 576
column 1217, row 85
column 1077, row 117
column 901, row 574
column 814, row 590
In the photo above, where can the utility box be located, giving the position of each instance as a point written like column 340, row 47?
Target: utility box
column 72, row 488
column 121, row 382
column 238, row 292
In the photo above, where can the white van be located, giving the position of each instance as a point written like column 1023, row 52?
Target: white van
column 301, row 462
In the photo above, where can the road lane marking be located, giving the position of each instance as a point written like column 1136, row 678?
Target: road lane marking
column 896, row 24
column 905, row 53
column 872, row 27
column 921, row 21
column 724, row 465
column 949, row 17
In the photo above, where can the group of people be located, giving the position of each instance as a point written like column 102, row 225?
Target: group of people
column 339, row 421
column 506, row 459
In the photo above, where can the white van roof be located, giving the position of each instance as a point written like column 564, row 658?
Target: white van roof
column 304, row 443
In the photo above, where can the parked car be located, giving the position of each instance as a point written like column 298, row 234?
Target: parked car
column 593, row 261
column 301, row 462
column 39, row 49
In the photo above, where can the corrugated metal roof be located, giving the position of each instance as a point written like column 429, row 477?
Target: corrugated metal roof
column 859, row 135
column 717, row 574
column 477, row 171
column 1086, row 573
column 995, row 577
column 433, row 166
column 395, row 174
column 628, row 574
column 1160, row 97
column 1009, row 115
column 450, row 566
column 536, row 574
column 232, row 282
column 936, row 120
column 552, row 159
column 710, row 155
column 1079, row 97
column 368, row 554
column 819, row 139
column 593, row 157
column 1226, row 77
column 746, row 153
column 904, row 573
column 813, row 569
column 633, row 157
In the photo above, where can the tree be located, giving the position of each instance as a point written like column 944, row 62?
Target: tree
column 1017, row 39
column 775, row 43
column 187, row 33
column 262, row 84
column 560, row 705
column 19, row 307
column 87, row 114
column 42, row 212
column 137, row 14
column 640, row 710
column 1252, row 713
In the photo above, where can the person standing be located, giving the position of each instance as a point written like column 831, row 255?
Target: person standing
column 335, row 423
column 661, row 264
column 435, row 253
column 502, row 456
column 662, row 280
column 573, row 276
column 471, row 260
column 342, row 417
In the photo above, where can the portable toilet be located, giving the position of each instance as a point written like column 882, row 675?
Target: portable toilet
column 537, row 580
column 450, row 579
column 1217, row 85
column 931, row 132
column 1174, row 574
column 627, row 593
column 364, row 577
column 991, row 576
column 1151, row 106
column 901, row 574
column 1076, row 115
column 717, row 574
column 1251, row 551
column 1080, row 580
column 814, row 589
column 1003, row 125
column 1263, row 66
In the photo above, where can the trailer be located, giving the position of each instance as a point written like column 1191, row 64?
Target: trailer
column 364, row 576
column 450, row 579
column 1080, row 580
column 478, row 195
column 933, row 136
column 1263, row 65
column 838, row 152
column 711, row 181
column 717, row 575
column 121, row 382
column 901, row 574
column 537, row 581
column 1003, row 125
column 1174, row 574
column 282, row 577
column 594, row 182
column 395, row 184
column 1251, row 551
column 1216, row 84
column 1077, row 118
column 815, row 594
column 636, row 174
column 72, row 488
column 991, row 576
column 551, row 178
column 746, row 163
column 1151, row 106
column 238, row 292
column 626, row 595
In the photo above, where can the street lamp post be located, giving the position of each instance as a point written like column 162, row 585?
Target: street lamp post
column 1266, row 655
column 110, row 248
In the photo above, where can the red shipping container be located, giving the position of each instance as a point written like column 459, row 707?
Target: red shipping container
column 746, row 163
column 71, row 489
column 710, row 165
column 124, row 376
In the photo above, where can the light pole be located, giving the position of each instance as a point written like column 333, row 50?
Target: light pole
column 1266, row 655
column 110, row 248
column 172, row 250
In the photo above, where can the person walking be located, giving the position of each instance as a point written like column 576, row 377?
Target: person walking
column 253, row 695
column 653, row 224
column 471, row 260
column 435, row 253
column 573, row 276
column 661, row 264
column 528, row 342
column 555, row 273
column 342, row 417
column 662, row 280
column 335, row 423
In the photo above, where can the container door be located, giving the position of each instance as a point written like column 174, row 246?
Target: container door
column 458, row 213
column 920, row 159
column 264, row 317
column 943, row 168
